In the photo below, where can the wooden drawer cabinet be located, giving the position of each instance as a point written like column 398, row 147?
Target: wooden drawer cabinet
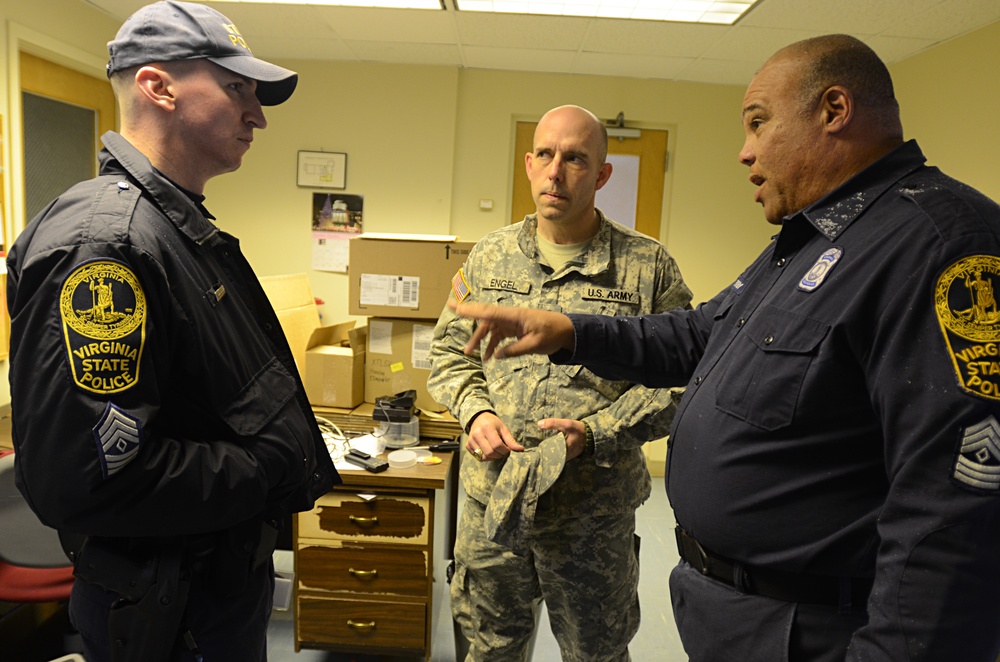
column 392, row 517
column 364, row 563
column 361, row 625
column 387, row 570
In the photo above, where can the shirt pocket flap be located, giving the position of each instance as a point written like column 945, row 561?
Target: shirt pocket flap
column 783, row 331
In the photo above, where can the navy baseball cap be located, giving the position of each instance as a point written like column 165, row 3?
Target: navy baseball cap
column 169, row 31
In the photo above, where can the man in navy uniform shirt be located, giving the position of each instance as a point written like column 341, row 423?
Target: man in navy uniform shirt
column 834, row 466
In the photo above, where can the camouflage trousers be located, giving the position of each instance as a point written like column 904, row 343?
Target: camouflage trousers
column 586, row 570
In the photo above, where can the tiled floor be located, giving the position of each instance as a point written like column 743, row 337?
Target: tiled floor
column 657, row 640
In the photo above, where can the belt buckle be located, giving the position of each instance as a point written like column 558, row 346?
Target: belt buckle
column 689, row 547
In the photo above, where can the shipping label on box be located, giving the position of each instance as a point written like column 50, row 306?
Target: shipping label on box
column 385, row 290
column 403, row 276
column 398, row 359
column 335, row 366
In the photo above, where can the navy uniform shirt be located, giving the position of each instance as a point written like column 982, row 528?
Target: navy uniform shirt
column 841, row 415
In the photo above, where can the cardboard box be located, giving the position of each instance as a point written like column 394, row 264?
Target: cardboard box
column 335, row 365
column 403, row 275
column 292, row 298
column 397, row 359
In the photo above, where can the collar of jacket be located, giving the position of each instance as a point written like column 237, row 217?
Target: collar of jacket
column 596, row 260
column 834, row 212
column 119, row 154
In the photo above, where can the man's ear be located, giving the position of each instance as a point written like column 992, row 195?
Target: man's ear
column 157, row 86
column 836, row 108
column 527, row 162
column 604, row 176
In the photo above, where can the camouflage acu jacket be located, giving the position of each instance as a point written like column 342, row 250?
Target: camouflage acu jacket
column 623, row 272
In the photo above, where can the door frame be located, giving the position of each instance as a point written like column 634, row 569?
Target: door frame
column 21, row 38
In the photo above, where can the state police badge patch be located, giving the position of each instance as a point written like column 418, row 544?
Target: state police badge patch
column 970, row 321
column 103, row 312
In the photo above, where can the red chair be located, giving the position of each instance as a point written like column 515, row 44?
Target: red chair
column 33, row 567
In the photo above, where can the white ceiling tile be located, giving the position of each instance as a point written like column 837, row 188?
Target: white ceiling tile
column 946, row 20
column 632, row 66
column 896, row 29
column 857, row 17
column 518, row 59
column 520, row 31
column 893, row 49
column 377, row 51
column 651, row 38
column 290, row 22
column 406, row 25
column 273, row 48
column 753, row 44
column 722, row 72
column 121, row 9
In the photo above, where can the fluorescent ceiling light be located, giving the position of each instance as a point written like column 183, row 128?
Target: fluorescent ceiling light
column 389, row 4
column 688, row 11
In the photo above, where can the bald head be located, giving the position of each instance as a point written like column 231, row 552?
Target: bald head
column 588, row 124
column 840, row 59
column 566, row 167
column 816, row 114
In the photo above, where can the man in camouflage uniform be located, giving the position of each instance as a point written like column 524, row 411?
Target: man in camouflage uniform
column 581, row 553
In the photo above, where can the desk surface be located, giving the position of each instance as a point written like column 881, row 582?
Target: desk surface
column 419, row 476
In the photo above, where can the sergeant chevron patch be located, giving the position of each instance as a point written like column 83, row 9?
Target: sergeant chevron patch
column 117, row 435
column 978, row 461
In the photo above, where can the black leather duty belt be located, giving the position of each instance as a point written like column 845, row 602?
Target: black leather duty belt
column 842, row 592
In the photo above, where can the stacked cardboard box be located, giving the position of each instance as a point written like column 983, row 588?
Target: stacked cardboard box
column 402, row 283
column 330, row 359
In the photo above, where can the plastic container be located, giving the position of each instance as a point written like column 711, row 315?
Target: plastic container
column 402, row 459
column 400, row 435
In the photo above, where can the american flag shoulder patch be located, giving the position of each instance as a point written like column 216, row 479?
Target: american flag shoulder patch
column 117, row 435
column 459, row 286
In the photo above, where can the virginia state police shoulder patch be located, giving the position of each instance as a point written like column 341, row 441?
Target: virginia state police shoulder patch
column 103, row 311
column 970, row 321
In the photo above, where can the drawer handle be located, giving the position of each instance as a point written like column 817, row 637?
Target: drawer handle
column 363, row 573
column 363, row 520
column 370, row 625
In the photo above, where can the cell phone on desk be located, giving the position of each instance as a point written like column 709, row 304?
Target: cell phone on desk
column 363, row 459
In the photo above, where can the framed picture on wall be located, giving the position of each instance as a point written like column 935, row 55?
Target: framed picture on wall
column 322, row 169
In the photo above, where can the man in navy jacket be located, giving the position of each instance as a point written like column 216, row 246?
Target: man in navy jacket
column 834, row 465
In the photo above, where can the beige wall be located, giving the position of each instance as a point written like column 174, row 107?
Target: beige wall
column 949, row 96
column 425, row 144
column 396, row 125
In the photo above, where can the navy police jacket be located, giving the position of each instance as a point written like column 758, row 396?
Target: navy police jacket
column 152, row 390
column 842, row 405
